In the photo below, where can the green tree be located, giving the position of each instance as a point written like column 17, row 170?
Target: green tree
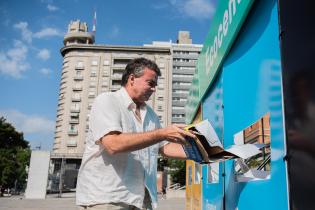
column 14, row 157
column 177, row 171
column 176, row 168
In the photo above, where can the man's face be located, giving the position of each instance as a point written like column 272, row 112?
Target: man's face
column 144, row 86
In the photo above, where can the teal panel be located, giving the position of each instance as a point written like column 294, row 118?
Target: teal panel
column 252, row 88
column 212, row 181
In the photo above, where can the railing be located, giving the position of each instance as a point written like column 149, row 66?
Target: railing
column 175, row 186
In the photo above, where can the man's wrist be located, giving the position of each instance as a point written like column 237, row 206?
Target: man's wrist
column 158, row 135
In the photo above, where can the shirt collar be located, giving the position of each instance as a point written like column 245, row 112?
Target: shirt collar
column 127, row 101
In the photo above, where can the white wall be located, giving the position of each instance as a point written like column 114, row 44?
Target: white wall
column 38, row 175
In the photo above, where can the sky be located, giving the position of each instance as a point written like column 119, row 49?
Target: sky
column 31, row 37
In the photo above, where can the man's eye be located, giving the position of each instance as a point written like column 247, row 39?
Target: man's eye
column 152, row 84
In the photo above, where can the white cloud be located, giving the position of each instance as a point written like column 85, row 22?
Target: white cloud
column 198, row 9
column 52, row 8
column 26, row 33
column 28, row 124
column 13, row 62
column 45, row 71
column 43, row 54
column 114, row 32
column 48, row 32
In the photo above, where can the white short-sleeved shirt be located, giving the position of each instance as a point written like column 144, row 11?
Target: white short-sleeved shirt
column 105, row 178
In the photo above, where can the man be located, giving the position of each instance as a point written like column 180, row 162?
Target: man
column 119, row 165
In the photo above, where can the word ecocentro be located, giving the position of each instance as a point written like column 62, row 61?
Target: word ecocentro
column 227, row 19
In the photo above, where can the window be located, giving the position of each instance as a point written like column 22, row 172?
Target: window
column 121, row 61
column 213, row 173
column 197, row 173
column 257, row 167
column 75, row 107
column 106, row 63
column 93, row 72
column 91, row 94
column 76, row 97
column 92, row 84
column 94, row 63
column 106, row 72
column 80, row 65
column 189, row 175
column 71, row 143
column 116, row 83
column 105, row 84
column 74, row 116
column 160, row 107
column 72, row 128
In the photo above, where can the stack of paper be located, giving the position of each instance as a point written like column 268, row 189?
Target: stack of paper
column 207, row 147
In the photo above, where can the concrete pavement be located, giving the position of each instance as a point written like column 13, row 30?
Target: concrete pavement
column 68, row 203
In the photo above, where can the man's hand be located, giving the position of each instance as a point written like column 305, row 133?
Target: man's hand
column 175, row 133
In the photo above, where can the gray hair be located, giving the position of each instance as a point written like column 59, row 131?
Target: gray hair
column 136, row 67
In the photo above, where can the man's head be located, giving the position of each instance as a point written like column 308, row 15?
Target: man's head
column 140, row 78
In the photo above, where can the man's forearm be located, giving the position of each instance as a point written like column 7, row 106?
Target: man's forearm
column 115, row 142
column 173, row 150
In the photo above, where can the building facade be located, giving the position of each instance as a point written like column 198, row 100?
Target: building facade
column 184, row 60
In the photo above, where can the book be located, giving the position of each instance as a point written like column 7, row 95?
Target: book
column 207, row 147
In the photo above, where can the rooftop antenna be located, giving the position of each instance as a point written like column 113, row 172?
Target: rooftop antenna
column 94, row 23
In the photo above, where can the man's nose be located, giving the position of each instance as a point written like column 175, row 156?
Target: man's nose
column 153, row 88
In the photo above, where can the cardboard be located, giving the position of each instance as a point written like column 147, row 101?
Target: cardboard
column 207, row 147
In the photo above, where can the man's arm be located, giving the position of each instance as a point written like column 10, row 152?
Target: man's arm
column 116, row 142
column 173, row 150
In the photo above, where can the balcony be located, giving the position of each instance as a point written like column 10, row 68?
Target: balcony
column 115, row 87
column 74, row 121
column 180, row 95
column 181, row 87
column 74, row 110
column 182, row 63
column 77, row 88
column 179, row 103
column 184, row 71
column 76, row 99
column 79, row 67
column 186, row 56
column 92, row 95
column 72, row 132
column 178, row 111
column 116, row 77
column 71, row 143
column 182, row 79
column 178, row 120
column 78, row 77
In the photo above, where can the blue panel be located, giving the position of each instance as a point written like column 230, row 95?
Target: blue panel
column 212, row 109
column 252, row 88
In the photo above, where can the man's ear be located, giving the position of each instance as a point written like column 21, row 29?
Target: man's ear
column 131, row 79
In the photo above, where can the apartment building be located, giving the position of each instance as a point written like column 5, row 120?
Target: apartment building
column 184, row 60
